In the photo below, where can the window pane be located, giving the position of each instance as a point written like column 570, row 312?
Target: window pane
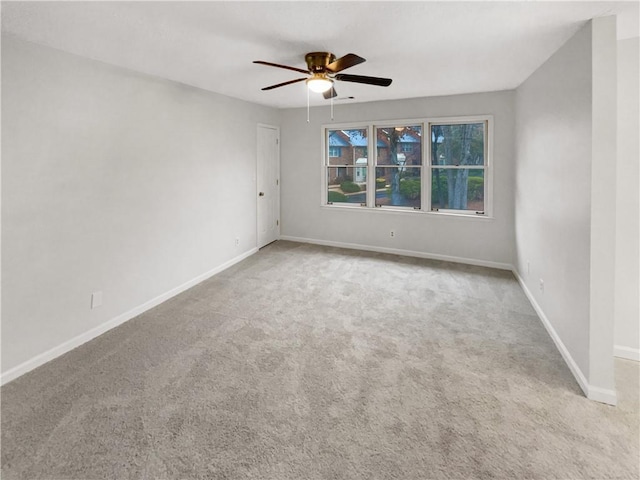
column 347, row 184
column 399, row 145
column 398, row 186
column 347, row 147
column 457, row 189
column 459, row 144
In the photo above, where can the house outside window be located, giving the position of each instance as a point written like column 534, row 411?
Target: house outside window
column 439, row 166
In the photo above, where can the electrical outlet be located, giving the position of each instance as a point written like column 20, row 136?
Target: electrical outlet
column 392, row 233
column 96, row 299
column 541, row 285
column 237, row 242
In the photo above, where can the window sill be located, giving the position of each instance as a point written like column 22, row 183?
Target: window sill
column 407, row 211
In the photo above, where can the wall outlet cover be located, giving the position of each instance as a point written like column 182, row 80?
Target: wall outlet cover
column 96, row 299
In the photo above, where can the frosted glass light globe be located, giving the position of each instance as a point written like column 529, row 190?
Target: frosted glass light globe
column 319, row 84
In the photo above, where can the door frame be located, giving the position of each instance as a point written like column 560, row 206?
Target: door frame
column 257, row 187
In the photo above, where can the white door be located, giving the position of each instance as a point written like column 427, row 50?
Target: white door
column 268, row 182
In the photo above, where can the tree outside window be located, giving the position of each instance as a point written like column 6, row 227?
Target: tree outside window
column 401, row 171
column 457, row 166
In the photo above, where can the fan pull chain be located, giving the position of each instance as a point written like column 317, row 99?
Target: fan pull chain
column 332, row 107
column 307, row 104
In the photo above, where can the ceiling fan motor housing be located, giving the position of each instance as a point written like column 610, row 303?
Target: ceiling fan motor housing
column 324, row 69
column 318, row 61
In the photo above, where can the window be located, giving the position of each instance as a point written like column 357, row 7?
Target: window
column 400, row 172
column 346, row 174
column 458, row 153
column 334, row 152
column 426, row 165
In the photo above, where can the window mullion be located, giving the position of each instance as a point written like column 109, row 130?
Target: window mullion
column 372, row 158
column 426, row 167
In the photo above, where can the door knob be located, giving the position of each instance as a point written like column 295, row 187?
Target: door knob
column 261, row 194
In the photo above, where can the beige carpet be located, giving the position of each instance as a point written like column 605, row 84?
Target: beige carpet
column 307, row 362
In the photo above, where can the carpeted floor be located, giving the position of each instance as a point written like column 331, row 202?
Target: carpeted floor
column 308, row 362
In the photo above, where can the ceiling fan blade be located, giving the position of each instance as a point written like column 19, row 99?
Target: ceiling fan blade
column 260, row 62
column 349, row 60
column 381, row 82
column 271, row 87
column 331, row 93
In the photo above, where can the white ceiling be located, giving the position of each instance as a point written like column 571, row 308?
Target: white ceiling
column 428, row 48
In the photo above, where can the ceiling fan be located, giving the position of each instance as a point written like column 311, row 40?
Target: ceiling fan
column 324, row 68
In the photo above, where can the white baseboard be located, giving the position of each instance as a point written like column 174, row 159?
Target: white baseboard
column 75, row 342
column 591, row 392
column 397, row 251
column 602, row 395
column 627, row 353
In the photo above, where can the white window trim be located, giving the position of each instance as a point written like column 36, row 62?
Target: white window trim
column 488, row 163
column 426, row 166
column 325, row 164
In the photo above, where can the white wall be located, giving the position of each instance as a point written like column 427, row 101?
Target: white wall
column 603, row 203
column 558, row 229
column 553, row 191
column 477, row 239
column 112, row 181
column 627, row 326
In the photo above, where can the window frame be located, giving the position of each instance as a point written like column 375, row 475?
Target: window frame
column 426, row 166
column 392, row 124
column 488, row 171
column 324, row 178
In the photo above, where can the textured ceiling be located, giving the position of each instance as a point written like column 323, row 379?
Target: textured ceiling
column 428, row 48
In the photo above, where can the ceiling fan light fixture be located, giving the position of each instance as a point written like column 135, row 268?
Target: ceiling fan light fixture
column 319, row 84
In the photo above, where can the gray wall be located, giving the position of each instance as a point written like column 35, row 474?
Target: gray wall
column 553, row 190
column 603, row 203
column 565, row 181
column 479, row 239
column 627, row 328
column 112, row 181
